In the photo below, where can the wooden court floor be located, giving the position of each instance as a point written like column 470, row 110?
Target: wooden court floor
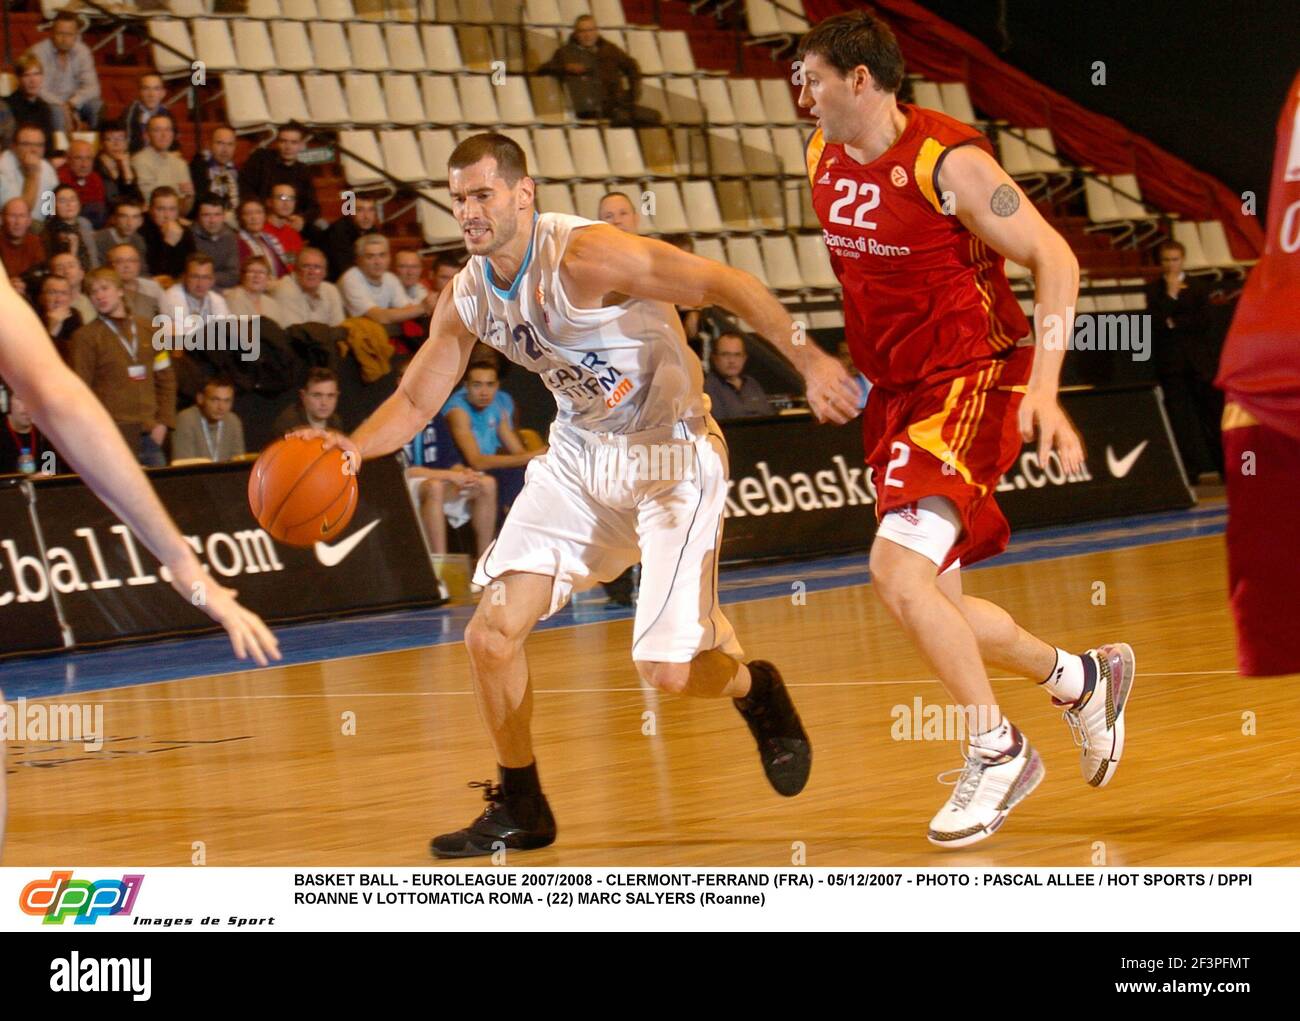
column 257, row 766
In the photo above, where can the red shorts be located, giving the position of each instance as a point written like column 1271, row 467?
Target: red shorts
column 1263, row 547
column 953, row 439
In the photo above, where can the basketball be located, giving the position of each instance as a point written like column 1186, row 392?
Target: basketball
column 301, row 493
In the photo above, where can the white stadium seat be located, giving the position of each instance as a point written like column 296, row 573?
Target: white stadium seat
column 436, row 149
column 669, row 215
column 404, row 49
column 437, row 224
column 402, row 97
column 624, row 153
column 330, row 45
column 253, row 46
column 777, row 101
column 441, row 52
column 325, row 102
column 176, row 37
column 478, row 100
column 246, row 108
column 701, row 206
column 815, row 262
column 284, row 98
column 365, row 101
column 402, row 159
column 360, row 173
column 743, row 253
column 441, row 102
column 366, row 43
column 588, row 149
column 292, row 49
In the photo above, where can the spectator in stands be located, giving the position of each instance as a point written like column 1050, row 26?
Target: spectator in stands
column 124, row 223
column 251, row 298
column 143, row 296
column 115, row 358
column 60, row 318
column 254, row 239
column 602, row 80
column 408, row 267
column 370, row 290
column 148, row 105
column 481, row 418
column 71, row 82
column 616, row 209
column 845, row 356
column 213, row 237
column 210, row 429
column 23, row 450
column 342, row 235
column 167, row 244
column 267, row 168
column 68, row 266
column 193, row 294
column 316, row 406
column 280, row 218
column 25, row 172
column 20, row 249
column 445, row 491
column 445, row 268
column 305, row 296
column 114, row 165
column 7, row 126
column 25, row 103
column 734, row 395
column 79, row 172
column 157, row 166
column 213, row 171
column 68, row 231
column 1186, row 362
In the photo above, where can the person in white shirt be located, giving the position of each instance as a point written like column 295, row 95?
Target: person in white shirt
column 305, row 296
column 370, row 290
column 251, row 297
column 25, row 173
column 408, row 268
column 193, row 297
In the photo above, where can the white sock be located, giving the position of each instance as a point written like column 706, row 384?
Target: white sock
column 1066, row 681
column 997, row 741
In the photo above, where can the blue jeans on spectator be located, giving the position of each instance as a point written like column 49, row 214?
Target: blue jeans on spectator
column 88, row 111
column 149, row 454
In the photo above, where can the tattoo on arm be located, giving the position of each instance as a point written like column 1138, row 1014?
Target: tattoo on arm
column 1005, row 201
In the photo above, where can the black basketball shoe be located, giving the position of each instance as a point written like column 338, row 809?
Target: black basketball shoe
column 783, row 744
column 514, row 822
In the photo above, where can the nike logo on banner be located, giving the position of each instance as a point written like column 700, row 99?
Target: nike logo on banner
column 332, row 556
column 1121, row 466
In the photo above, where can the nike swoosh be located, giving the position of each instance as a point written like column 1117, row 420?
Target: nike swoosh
column 332, row 556
column 1120, row 466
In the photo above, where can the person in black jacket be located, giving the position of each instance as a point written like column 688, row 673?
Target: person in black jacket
column 268, row 167
column 601, row 79
column 1186, row 362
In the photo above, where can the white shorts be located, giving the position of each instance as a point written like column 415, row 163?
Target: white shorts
column 928, row 527
column 456, row 508
column 595, row 504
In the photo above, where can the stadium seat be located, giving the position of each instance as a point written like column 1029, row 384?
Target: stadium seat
column 542, row 12
column 336, row 10
column 1214, row 242
column 683, row 101
column 570, row 10
column 669, row 215
column 624, row 153
column 548, row 100
column 767, row 204
column 246, row 108
column 514, row 104
column 402, row 159
column 789, row 146
column 554, row 159
column 437, row 224
column 441, row 102
column 956, row 102
column 360, row 172
column 475, row 47
column 746, row 101
column 777, row 102
column 477, row 12
column 402, row 98
column 716, row 101
column 520, row 136
column 540, row 45
column 701, row 206
column 365, row 101
column 1042, row 150
column 292, row 49
column 712, row 249
column 253, row 48
column 265, row 9
column 927, row 95
column 1186, row 234
column 732, row 199
column 588, row 151
column 330, row 45
column 675, row 52
column 478, row 100
column 555, row 198
column 762, row 19
column 435, row 149
column 404, row 49
column 284, row 98
column 780, row 264
column 643, row 48
column 366, row 43
column 725, row 156
column 173, row 52
column 441, row 52
column 608, row 13
column 757, row 152
column 826, row 320
column 657, row 151
column 815, row 262
column 743, row 254
column 303, row 10
column 1107, row 302
column 325, row 100
column 587, row 196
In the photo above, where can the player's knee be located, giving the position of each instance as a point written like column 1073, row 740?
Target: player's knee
column 896, row 582
column 431, row 492
column 670, row 678
column 488, row 486
column 489, row 641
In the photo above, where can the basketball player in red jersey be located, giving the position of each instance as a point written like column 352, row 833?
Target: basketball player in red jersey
column 1259, row 373
column 918, row 216
column 69, row 414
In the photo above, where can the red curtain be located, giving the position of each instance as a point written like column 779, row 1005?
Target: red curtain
column 942, row 52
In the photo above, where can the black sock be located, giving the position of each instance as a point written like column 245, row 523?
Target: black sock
column 521, row 782
column 760, row 684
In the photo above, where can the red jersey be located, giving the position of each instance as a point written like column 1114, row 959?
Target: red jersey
column 924, row 298
column 1260, row 365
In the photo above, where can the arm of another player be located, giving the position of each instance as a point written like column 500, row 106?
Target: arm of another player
column 429, row 380
column 602, row 260
column 992, row 207
column 70, row 415
column 463, row 433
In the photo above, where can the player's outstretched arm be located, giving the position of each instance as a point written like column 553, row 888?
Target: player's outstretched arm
column 602, row 260
column 429, row 380
column 993, row 208
column 82, row 431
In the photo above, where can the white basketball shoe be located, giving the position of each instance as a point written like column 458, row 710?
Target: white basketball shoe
column 1096, row 720
column 987, row 788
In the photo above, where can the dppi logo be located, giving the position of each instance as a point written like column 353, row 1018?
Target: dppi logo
column 61, row 896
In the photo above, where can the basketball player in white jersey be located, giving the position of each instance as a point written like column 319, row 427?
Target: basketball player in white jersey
column 636, row 470
column 83, row 433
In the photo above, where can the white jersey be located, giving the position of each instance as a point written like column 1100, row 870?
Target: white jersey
column 618, row 369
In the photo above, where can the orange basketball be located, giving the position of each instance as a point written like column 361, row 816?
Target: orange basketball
column 300, row 493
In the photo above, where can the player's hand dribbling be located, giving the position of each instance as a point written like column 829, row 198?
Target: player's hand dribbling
column 1041, row 415
column 332, row 439
column 249, row 635
column 832, row 393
